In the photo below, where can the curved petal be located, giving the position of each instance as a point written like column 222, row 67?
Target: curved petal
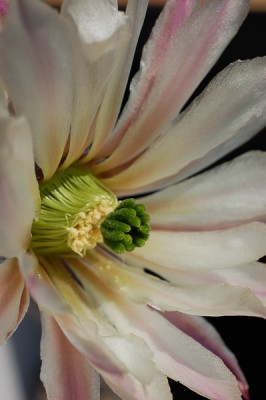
column 158, row 389
column 39, row 72
column 14, row 298
column 230, row 111
column 203, row 332
column 18, row 186
column 113, row 96
column 251, row 275
column 65, row 372
column 186, row 41
column 108, row 39
column 208, row 297
column 231, row 194
column 207, row 249
column 176, row 354
column 123, row 360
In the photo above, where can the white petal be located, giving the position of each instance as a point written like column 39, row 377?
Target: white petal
column 41, row 71
column 251, row 275
column 158, row 389
column 186, row 41
column 203, row 332
column 211, row 297
column 65, row 372
column 119, row 72
column 230, row 111
column 108, row 46
column 233, row 193
column 175, row 354
column 206, row 249
column 14, row 298
column 18, row 186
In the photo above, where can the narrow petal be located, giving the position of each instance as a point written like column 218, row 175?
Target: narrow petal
column 209, row 296
column 18, row 186
column 110, row 107
column 39, row 72
column 203, row 332
column 176, row 354
column 251, row 275
column 65, row 372
column 230, row 111
column 108, row 38
column 231, row 194
column 14, row 298
column 123, row 360
column 205, row 250
column 187, row 40
column 158, row 389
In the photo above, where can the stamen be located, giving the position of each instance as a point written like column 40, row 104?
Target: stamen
column 73, row 205
column 127, row 227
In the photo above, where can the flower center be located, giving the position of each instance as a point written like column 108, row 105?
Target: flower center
column 78, row 212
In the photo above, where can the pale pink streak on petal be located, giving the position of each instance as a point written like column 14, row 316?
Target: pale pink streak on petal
column 229, row 195
column 39, row 75
column 176, row 354
column 205, row 296
column 158, row 389
column 3, row 12
column 65, row 372
column 193, row 35
column 104, row 38
column 113, row 96
column 251, row 275
column 14, row 298
column 196, row 250
column 231, row 110
column 40, row 285
column 18, row 186
column 203, row 332
column 77, row 321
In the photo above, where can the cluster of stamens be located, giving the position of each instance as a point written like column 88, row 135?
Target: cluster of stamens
column 85, row 234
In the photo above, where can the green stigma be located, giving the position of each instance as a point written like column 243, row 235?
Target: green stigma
column 127, row 227
column 78, row 212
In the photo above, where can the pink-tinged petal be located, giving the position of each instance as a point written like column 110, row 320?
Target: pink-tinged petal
column 231, row 194
column 39, row 71
column 252, row 276
column 158, row 389
column 114, row 356
column 186, row 41
column 107, row 39
column 207, row 249
column 18, row 186
column 175, row 354
column 65, row 372
column 40, row 286
column 230, row 111
column 207, row 297
column 3, row 12
column 113, row 96
column 203, row 332
column 14, row 298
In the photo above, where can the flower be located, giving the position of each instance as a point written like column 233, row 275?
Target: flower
column 66, row 158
